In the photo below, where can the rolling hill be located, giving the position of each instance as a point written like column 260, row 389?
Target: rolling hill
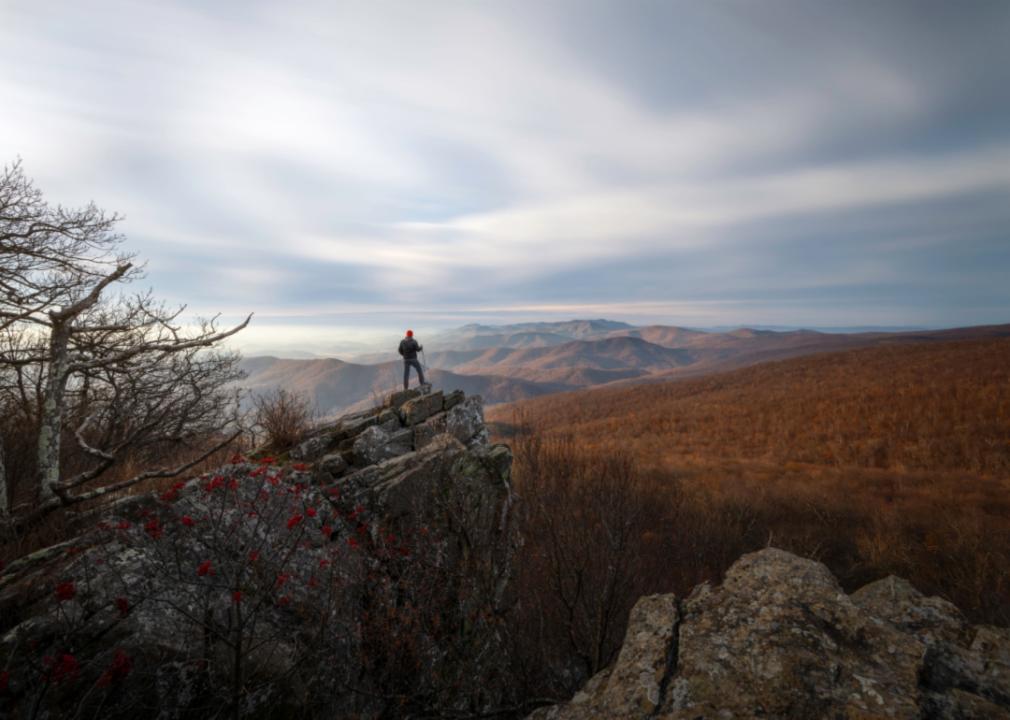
column 933, row 405
column 659, row 353
column 550, row 358
column 335, row 386
column 618, row 353
column 567, row 329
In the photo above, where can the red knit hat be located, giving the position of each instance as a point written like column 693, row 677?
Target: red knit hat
column 410, row 333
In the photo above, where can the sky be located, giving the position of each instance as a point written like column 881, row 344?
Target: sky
column 348, row 169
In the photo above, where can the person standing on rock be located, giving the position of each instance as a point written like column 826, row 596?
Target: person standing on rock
column 409, row 348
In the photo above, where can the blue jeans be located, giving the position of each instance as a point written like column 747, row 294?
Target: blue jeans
column 407, row 364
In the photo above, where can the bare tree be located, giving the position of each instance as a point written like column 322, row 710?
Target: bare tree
column 133, row 373
column 583, row 566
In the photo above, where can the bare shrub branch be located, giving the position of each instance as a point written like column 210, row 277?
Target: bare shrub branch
column 284, row 416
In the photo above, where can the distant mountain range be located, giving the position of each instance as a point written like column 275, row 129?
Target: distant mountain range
column 334, row 386
column 505, row 363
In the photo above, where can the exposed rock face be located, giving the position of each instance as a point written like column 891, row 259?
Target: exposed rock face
column 463, row 421
column 453, row 399
column 408, row 420
column 427, row 431
column 377, row 444
column 333, row 465
column 287, row 564
column 313, row 448
column 421, row 408
column 397, row 399
column 780, row 639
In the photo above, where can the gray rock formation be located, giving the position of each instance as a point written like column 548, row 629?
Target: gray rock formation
column 331, row 467
column 453, row 399
column 780, row 639
column 407, row 420
column 464, row 420
column 274, row 575
column 376, row 444
column 313, row 448
column 421, row 408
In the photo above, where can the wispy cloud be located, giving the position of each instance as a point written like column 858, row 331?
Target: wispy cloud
column 602, row 157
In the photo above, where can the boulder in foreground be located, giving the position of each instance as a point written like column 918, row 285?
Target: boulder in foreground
column 780, row 639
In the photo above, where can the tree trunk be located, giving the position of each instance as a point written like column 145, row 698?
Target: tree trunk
column 51, row 420
column 4, row 501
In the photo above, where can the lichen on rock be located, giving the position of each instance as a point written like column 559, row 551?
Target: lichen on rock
column 779, row 638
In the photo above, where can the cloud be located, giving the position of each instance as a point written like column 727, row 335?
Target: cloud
column 619, row 223
column 454, row 155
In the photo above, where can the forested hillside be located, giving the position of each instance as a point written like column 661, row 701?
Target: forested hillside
column 893, row 459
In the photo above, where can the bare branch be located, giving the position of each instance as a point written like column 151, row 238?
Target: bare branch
column 64, row 499
column 92, row 297
column 201, row 341
column 133, row 379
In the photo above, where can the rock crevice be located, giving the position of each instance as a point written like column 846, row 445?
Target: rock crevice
column 672, row 659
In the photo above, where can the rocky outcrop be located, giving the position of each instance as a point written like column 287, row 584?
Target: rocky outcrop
column 407, row 421
column 377, row 444
column 264, row 587
column 780, row 639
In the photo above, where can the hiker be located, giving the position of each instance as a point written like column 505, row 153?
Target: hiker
column 409, row 348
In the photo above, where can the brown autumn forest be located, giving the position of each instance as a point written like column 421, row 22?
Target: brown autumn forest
column 886, row 460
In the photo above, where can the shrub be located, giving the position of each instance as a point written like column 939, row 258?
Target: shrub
column 285, row 417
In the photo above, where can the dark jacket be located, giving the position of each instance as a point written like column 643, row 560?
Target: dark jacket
column 409, row 348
